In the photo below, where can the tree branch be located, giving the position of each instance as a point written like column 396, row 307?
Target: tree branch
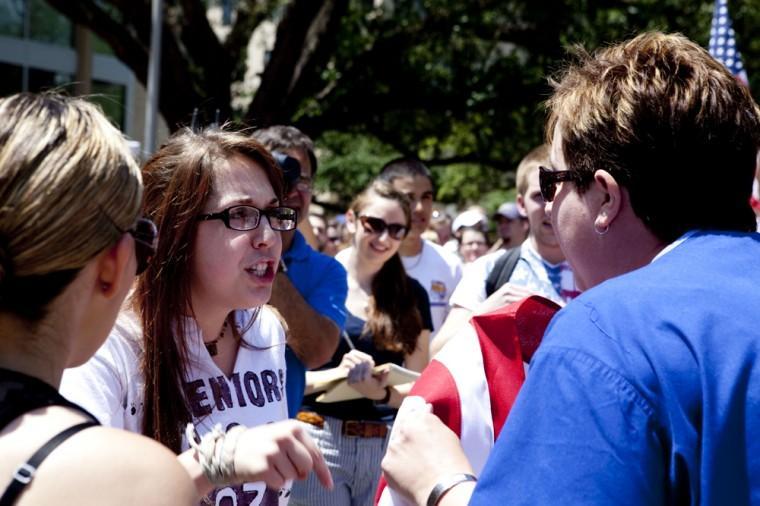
column 249, row 15
column 299, row 35
column 127, row 44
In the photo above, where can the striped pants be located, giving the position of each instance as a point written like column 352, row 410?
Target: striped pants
column 354, row 463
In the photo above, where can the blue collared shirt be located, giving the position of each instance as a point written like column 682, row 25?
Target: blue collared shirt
column 645, row 389
column 321, row 281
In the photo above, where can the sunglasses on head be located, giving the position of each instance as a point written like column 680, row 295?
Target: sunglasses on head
column 378, row 226
column 548, row 179
column 145, row 235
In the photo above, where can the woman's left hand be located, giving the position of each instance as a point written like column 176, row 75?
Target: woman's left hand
column 360, row 376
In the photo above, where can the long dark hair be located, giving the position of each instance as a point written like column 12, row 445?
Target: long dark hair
column 394, row 320
column 178, row 180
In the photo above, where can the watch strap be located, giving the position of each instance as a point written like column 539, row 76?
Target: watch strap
column 446, row 484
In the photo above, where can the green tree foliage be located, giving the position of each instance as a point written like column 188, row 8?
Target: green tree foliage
column 459, row 84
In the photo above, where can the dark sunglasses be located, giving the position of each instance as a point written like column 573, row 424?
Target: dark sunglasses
column 378, row 226
column 248, row 217
column 548, row 179
column 145, row 235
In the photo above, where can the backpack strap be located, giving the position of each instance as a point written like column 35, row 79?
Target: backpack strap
column 502, row 270
column 26, row 471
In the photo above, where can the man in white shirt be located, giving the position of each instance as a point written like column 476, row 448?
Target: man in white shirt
column 539, row 268
column 437, row 270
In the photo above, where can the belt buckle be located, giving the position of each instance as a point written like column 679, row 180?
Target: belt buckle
column 311, row 418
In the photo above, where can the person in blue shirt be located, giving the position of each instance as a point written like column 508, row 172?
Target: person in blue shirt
column 646, row 388
column 310, row 291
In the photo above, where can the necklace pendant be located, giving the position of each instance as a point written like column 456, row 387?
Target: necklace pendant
column 211, row 348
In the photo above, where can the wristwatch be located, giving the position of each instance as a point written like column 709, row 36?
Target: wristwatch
column 446, row 484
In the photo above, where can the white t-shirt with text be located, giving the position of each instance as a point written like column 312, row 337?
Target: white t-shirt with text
column 110, row 386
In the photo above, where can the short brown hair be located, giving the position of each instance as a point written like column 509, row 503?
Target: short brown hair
column 670, row 123
column 281, row 137
column 538, row 156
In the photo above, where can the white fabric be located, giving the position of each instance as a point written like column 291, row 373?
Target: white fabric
column 530, row 272
column 463, row 359
column 438, row 271
column 110, row 386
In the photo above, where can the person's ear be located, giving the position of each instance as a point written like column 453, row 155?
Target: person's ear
column 610, row 199
column 351, row 221
column 520, row 201
column 115, row 267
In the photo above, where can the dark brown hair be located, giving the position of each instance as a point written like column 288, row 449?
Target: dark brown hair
column 178, row 180
column 282, row 137
column 669, row 123
column 394, row 320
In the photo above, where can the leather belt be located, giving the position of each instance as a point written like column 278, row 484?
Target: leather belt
column 355, row 428
column 349, row 428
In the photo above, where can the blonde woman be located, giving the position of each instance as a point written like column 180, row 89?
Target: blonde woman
column 71, row 241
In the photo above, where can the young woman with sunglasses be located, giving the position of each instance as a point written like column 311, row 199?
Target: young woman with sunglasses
column 195, row 344
column 388, row 321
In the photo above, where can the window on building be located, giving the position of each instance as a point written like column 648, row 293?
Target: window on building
column 12, row 18
column 111, row 98
column 12, row 81
column 43, row 80
column 48, row 25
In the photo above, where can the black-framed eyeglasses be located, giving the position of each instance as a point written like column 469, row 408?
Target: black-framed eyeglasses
column 548, row 179
column 378, row 226
column 248, row 217
column 145, row 235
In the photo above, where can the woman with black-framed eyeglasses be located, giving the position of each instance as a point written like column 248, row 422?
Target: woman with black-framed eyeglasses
column 388, row 322
column 71, row 240
column 196, row 344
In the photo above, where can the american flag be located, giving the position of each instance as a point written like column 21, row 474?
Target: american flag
column 473, row 381
column 723, row 42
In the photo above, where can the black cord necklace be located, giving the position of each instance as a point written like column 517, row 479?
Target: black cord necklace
column 211, row 345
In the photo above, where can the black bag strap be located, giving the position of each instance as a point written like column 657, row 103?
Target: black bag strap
column 502, row 270
column 26, row 471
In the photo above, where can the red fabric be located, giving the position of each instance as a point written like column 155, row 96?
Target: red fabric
column 506, row 336
column 438, row 388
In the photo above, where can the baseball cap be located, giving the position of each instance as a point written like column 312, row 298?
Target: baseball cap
column 470, row 218
column 508, row 210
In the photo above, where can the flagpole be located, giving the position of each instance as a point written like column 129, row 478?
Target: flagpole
column 154, row 74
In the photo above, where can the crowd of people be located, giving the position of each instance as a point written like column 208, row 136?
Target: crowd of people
column 176, row 330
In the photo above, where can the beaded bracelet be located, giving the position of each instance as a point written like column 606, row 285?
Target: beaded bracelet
column 216, row 452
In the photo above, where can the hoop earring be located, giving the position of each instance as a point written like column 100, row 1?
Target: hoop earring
column 601, row 231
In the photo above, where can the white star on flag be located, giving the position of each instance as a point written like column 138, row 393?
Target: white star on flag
column 722, row 45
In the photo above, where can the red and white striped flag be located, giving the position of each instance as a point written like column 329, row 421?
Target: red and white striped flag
column 473, row 382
